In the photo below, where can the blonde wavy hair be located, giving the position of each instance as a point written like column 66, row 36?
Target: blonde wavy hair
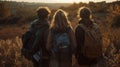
column 60, row 21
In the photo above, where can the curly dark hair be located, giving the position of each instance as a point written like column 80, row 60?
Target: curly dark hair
column 84, row 12
column 43, row 12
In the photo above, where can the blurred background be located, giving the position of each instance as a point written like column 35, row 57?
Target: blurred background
column 16, row 16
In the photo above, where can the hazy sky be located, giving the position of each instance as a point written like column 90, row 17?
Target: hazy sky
column 61, row 1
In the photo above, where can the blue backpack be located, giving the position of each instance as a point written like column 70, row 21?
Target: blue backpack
column 62, row 46
column 61, row 42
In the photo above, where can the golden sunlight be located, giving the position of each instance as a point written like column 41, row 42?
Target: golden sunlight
column 60, row 1
column 77, row 1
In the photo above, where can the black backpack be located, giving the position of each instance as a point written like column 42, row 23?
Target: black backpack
column 28, row 39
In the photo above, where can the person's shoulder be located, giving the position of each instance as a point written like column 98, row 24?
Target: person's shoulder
column 79, row 28
column 94, row 22
column 34, row 22
column 95, row 25
column 69, row 29
column 79, row 25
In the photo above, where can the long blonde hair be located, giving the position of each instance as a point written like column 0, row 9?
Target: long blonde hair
column 60, row 21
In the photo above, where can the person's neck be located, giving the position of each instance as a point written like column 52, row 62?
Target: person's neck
column 87, row 22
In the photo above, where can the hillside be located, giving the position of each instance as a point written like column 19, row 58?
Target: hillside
column 15, row 18
column 25, row 12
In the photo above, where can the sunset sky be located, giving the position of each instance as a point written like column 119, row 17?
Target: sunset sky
column 61, row 1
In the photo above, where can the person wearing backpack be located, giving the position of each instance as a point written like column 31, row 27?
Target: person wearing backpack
column 89, row 39
column 61, row 40
column 36, row 38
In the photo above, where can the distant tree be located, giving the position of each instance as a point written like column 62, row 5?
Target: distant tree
column 4, row 10
column 62, row 7
column 115, row 14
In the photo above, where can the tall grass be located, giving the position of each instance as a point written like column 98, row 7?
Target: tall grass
column 10, row 54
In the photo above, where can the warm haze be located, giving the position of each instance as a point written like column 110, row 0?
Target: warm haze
column 60, row 1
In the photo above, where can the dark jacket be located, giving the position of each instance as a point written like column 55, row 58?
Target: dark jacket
column 80, row 37
column 40, row 28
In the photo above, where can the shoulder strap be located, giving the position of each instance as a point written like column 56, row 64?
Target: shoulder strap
column 68, row 30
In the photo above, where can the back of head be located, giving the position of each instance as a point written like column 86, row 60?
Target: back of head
column 60, row 21
column 43, row 12
column 85, row 14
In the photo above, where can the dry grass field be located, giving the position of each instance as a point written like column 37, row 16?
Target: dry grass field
column 11, row 32
column 10, row 49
